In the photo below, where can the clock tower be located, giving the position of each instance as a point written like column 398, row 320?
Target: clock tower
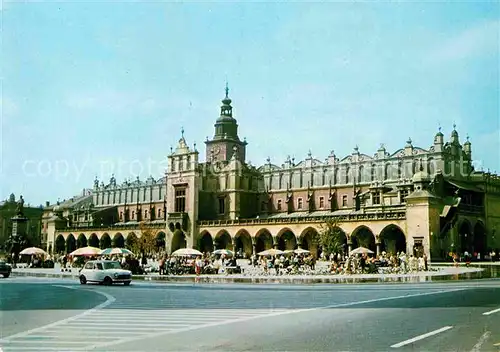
column 225, row 141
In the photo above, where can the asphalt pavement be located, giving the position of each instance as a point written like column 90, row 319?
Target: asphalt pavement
column 61, row 315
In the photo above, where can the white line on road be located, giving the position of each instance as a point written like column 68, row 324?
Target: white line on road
column 110, row 299
column 421, row 337
column 272, row 314
column 480, row 342
column 492, row 311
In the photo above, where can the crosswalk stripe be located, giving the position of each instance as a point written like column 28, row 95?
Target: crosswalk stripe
column 26, row 341
column 36, row 348
column 117, row 321
column 125, row 324
column 124, row 329
column 131, row 320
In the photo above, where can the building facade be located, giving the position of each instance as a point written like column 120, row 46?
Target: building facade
column 423, row 200
column 33, row 226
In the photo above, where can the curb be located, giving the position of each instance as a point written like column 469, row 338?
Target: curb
column 212, row 279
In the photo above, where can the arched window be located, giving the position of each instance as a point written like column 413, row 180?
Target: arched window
column 347, row 172
column 373, row 172
column 387, row 171
column 400, row 170
column 361, row 177
column 431, row 167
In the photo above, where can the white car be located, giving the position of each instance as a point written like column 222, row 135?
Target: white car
column 104, row 272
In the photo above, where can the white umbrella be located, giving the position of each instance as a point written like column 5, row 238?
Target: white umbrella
column 186, row 252
column 224, row 251
column 33, row 251
column 361, row 250
column 271, row 252
column 301, row 251
column 86, row 251
column 112, row 251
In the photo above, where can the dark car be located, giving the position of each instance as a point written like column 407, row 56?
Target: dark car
column 5, row 269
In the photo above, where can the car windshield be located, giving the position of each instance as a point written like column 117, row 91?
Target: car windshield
column 112, row 265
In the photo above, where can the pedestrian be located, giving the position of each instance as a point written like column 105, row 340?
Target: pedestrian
column 162, row 266
column 197, row 265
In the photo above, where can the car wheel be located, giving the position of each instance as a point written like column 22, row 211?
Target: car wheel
column 83, row 280
column 107, row 281
column 126, row 283
column 6, row 275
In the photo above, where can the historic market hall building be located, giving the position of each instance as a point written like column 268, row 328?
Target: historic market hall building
column 414, row 200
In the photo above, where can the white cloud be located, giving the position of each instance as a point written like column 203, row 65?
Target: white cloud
column 479, row 40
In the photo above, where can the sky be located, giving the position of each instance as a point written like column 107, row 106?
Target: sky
column 99, row 88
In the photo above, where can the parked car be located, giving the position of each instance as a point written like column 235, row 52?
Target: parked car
column 104, row 272
column 5, row 269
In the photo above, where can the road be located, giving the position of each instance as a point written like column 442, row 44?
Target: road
column 60, row 315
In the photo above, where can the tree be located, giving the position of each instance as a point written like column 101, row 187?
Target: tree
column 147, row 241
column 331, row 237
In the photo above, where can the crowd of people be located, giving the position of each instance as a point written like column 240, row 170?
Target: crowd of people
column 209, row 263
column 283, row 264
column 388, row 263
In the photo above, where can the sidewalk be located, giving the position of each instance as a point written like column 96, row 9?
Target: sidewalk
column 252, row 277
column 485, row 263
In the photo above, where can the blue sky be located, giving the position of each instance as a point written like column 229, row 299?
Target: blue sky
column 91, row 88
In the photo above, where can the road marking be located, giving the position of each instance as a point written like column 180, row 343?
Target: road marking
column 492, row 311
column 421, row 337
column 480, row 342
column 110, row 299
column 272, row 314
column 34, row 348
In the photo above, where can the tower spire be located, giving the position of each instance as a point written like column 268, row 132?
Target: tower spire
column 226, row 109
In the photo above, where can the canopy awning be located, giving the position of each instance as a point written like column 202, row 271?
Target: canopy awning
column 464, row 186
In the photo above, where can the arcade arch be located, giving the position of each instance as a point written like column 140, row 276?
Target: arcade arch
column 178, row 240
column 309, row 239
column 362, row 236
column 81, row 241
column 286, row 240
column 465, row 237
column 60, row 244
column 93, row 241
column 70, row 243
column 118, row 241
column 263, row 240
column 243, row 243
column 161, row 241
column 223, row 240
column 392, row 240
column 205, row 242
column 105, row 241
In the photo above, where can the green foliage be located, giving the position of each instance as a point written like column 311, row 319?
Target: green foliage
column 331, row 237
column 131, row 243
column 147, row 241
